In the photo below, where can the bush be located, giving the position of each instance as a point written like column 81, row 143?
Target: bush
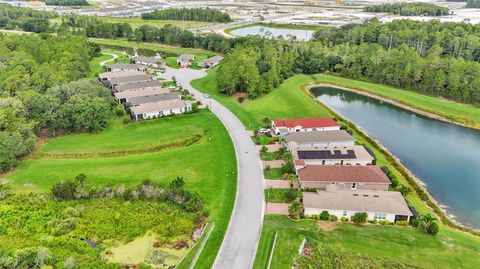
column 333, row 218
column 194, row 107
column 433, row 228
column 64, row 190
column 288, row 168
column 324, row 215
column 119, row 110
column 402, row 223
column 127, row 120
column 241, row 99
column 359, row 218
column 295, row 210
column 344, row 219
column 290, row 195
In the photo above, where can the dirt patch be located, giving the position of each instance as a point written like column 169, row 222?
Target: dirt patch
column 326, row 225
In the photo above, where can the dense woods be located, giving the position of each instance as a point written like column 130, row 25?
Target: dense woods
column 188, row 14
column 26, row 19
column 66, row 2
column 38, row 94
column 473, row 3
column 409, row 9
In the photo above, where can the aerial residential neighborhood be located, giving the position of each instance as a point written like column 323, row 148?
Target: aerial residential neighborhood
column 239, row 134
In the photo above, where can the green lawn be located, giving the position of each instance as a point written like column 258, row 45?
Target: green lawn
column 136, row 22
column 462, row 113
column 285, row 102
column 215, row 180
column 272, row 173
column 278, row 195
column 94, row 65
column 449, row 249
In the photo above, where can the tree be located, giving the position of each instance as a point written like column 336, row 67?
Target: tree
column 290, row 195
column 324, row 215
column 428, row 224
column 266, row 121
column 295, row 210
column 64, row 190
column 359, row 218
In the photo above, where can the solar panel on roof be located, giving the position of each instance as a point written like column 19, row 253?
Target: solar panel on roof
column 325, row 154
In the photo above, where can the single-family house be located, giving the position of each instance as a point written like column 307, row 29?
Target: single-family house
column 283, row 127
column 114, row 82
column 154, row 98
column 338, row 138
column 124, row 96
column 351, row 155
column 210, row 62
column 155, row 62
column 185, row 60
column 159, row 109
column 125, row 67
column 346, row 177
column 110, row 75
column 136, row 86
column 379, row 205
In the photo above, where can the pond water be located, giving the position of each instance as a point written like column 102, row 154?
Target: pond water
column 270, row 32
column 444, row 156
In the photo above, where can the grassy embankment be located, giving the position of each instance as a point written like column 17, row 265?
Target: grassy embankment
column 95, row 67
column 291, row 100
column 200, row 54
column 136, row 22
column 159, row 150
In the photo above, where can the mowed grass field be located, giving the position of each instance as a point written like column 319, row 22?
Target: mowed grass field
column 288, row 101
column 208, row 166
column 462, row 113
column 449, row 249
column 136, row 22
column 291, row 100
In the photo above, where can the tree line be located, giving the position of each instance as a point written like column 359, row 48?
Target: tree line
column 409, row 9
column 40, row 92
column 66, row 2
column 26, row 19
column 473, row 4
column 188, row 14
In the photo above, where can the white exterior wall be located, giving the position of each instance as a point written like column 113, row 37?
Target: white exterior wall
column 338, row 162
column 294, row 145
column 301, row 129
column 166, row 112
column 339, row 213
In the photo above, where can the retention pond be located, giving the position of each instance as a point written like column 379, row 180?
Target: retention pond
column 444, row 156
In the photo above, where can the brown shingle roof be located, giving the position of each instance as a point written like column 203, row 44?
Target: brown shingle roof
column 340, row 173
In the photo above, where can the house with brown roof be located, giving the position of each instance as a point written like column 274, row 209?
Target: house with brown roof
column 379, row 205
column 351, row 155
column 337, row 138
column 136, row 86
column 110, row 75
column 136, row 101
column 124, row 96
column 185, row 60
column 159, row 109
column 210, row 62
column 283, row 127
column 155, row 62
column 345, row 177
column 125, row 67
column 115, row 82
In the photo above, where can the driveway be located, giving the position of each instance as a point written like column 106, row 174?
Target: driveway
column 240, row 242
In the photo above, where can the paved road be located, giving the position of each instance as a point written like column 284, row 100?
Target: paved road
column 239, row 245
column 115, row 56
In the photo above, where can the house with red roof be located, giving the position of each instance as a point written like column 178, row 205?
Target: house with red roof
column 283, row 127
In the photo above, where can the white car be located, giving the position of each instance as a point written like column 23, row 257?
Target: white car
column 264, row 131
column 206, row 95
column 171, row 87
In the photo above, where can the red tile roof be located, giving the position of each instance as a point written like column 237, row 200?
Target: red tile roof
column 339, row 173
column 306, row 123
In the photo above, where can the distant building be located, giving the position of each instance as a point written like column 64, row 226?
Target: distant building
column 210, row 62
column 111, row 75
column 339, row 138
column 379, row 205
column 159, row 109
column 348, row 177
column 125, row 67
column 352, row 155
column 185, row 60
column 115, row 82
column 124, row 96
column 136, row 86
column 139, row 100
column 283, row 127
column 155, row 62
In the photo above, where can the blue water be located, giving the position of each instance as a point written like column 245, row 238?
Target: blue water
column 444, row 156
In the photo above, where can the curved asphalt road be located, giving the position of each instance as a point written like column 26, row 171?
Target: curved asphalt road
column 240, row 242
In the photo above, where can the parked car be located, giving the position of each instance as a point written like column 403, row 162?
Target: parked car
column 206, row 95
column 171, row 87
column 264, row 131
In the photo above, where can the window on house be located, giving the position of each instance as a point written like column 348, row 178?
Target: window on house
column 341, row 162
column 380, row 216
column 354, row 185
column 344, row 213
column 323, row 162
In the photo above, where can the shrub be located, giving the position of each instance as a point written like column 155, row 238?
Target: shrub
column 324, row 215
column 295, row 210
column 64, row 190
column 374, row 221
column 288, row 168
column 194, row 107
column 119, row 110
column 344, row 219
column 290, row 195
column 127, row 120
column 333, row 218
column 359, row 218
column 402, row 223
column 403, row 189
column 241, row 99
column 433, row 228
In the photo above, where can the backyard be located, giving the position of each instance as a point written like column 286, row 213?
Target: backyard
column 158, row 150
